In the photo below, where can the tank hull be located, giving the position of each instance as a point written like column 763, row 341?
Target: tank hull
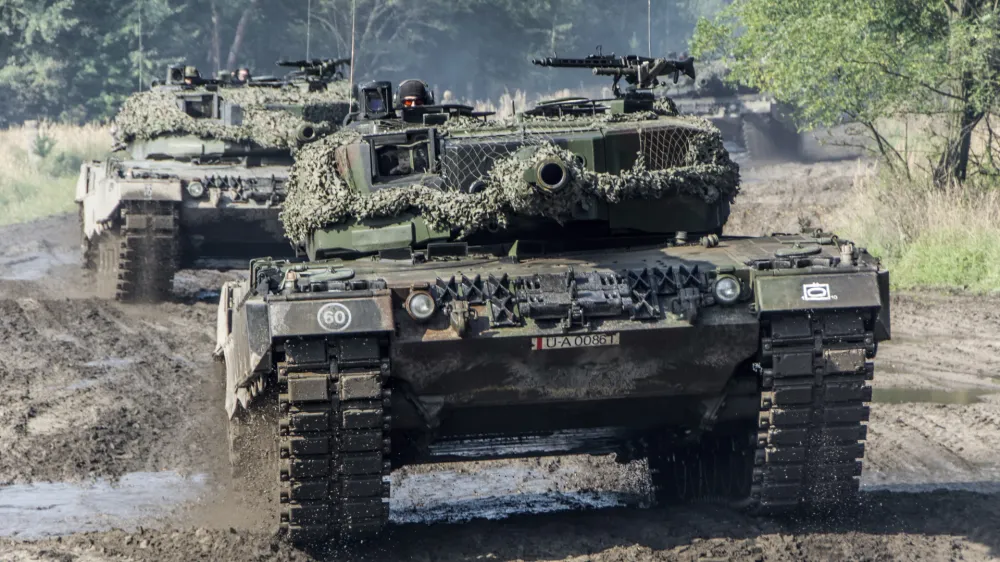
column 228, row 237
column 145, row 209
column 466, row 385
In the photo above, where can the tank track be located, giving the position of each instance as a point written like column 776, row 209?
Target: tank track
column 765, row 138
column 136, row 258
column 149, row 250
column 86, row 245
column 804, row 450
column 814, row 402
column 334, row 444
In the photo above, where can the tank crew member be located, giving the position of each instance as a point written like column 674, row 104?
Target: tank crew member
column 243, row 75
column 413, row 93
column 191, row 76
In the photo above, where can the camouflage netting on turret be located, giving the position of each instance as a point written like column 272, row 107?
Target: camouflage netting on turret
column 318, row 197
column 147, row 115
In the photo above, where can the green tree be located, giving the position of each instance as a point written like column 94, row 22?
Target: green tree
column 868, row 60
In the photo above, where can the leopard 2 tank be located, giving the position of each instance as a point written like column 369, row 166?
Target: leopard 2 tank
column 197, row 179
column 753, row 122
column 556, row 283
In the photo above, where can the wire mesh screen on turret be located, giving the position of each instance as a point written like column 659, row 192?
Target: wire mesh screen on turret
column 466, row 161
column 663, row 148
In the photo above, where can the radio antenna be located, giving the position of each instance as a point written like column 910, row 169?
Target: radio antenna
column 649, row 25
column 138, row 6
column 354, row 15
column 309, row 13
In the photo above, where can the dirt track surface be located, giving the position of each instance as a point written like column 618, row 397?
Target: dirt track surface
column 94, row 390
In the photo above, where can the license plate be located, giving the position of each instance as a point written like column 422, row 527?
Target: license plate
column 579, row 340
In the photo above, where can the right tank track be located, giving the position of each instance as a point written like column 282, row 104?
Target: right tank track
column 805, row 450
column 814, row 405
column 333, row 447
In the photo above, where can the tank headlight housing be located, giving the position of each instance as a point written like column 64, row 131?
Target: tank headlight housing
column 421, row 306
column 727, row 289
column 195, row 189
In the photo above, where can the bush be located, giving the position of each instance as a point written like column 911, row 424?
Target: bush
column 43, row 145
column 31, row 188
column 929, row 237
column 62, row 164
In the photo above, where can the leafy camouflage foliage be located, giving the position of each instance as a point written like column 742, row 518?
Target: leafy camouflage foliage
column 155, row 113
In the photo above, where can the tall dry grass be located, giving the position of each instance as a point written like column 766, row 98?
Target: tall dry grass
column 929, row 237
column 39, row 166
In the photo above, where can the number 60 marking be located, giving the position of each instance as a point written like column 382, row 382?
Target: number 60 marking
column 334, row 317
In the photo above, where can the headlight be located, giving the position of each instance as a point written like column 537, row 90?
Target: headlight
column 195, row 189
column 420, row 306
column 727, row 290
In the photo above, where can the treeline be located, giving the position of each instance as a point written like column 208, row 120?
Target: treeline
column 76, row 60
column 878, row 64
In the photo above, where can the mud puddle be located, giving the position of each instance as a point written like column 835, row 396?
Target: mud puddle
column 35, row 262
column 436, row 494
column 928, row 396
column 497, row 492
column 983, row 487
column 30, row 511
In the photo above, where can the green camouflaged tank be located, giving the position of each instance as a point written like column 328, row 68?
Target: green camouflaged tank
column 199, row 177
column 552, row 284
column 751, row 121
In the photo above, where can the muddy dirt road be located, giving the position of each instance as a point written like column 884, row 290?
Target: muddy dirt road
column 110, row 417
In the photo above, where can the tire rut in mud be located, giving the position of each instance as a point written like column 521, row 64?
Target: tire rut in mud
column 91, row 389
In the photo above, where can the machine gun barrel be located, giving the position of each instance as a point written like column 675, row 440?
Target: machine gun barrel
column 305, row 64
column 592, row 61
column 639, row 72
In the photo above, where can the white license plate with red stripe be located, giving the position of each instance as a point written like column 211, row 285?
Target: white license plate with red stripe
column 576, row 340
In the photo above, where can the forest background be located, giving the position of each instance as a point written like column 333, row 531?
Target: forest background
column 76, row 60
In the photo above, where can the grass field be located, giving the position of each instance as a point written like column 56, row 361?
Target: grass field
column 929, row 237
column 39, row 167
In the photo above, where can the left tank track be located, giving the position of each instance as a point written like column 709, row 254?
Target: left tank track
column 136, row 258
column 333, row 428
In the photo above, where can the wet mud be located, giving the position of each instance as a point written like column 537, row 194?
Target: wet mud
column 112, row 446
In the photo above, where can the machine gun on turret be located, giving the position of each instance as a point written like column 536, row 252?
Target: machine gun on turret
column 642, row 73
column 322, row 70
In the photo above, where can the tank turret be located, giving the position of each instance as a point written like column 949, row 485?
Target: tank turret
column 608, row 169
